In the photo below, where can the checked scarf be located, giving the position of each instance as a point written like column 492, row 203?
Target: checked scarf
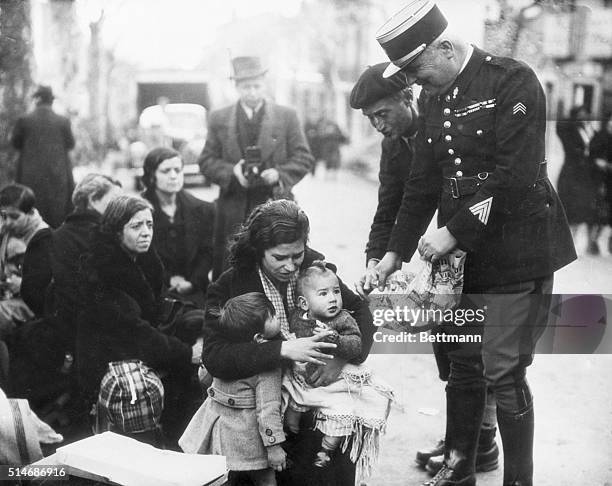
column 276, row 298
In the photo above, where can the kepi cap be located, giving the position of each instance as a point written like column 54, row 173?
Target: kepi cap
column 407, row 33
column 372, row 86
column 245, row 67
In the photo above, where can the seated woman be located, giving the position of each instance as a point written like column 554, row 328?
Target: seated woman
column 266, row 256
column 44, row 350
column 183, row 226
column 21, row 226
column 122, row 285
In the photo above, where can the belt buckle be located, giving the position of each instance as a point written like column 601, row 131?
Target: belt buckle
column 454, row 188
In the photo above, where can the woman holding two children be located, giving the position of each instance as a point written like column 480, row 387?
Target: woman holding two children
column 266, row 256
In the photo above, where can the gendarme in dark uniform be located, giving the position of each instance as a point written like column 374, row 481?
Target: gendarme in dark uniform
column 480, row 161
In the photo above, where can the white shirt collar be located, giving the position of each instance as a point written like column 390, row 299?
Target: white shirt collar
column 468, row 56
column 250, row 112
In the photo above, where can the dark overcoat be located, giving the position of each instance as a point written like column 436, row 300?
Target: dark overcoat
column 576, row 184
column 43, row 139
column 491, row 122
column 120, row 315
column 283, row 147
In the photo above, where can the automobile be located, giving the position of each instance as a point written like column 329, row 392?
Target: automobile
column 181, row 126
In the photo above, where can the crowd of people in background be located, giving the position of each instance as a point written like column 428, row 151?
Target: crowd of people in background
column 585, row 181
column 107, row 294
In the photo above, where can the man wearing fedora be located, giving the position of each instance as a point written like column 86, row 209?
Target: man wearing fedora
column 387, row 102
column 479, row 161
column 255, row 151
column 44, row 139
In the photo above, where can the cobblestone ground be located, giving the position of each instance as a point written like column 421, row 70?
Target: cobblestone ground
column 572, row 393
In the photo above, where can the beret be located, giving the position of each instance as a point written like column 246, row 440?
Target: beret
column 372, row 87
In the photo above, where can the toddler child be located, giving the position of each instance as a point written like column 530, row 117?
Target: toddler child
column 241, row 419
column 353, row 407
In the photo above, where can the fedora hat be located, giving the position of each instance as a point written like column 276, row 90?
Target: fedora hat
column 407, row 33
column 45, row 93
column 245, row 67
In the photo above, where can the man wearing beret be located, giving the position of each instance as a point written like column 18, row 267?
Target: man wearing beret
column 479, row 160
column 387, row 102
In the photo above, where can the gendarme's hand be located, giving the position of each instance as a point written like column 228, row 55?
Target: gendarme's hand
column 436, row 244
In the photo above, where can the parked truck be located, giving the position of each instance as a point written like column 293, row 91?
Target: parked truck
column 172, row 107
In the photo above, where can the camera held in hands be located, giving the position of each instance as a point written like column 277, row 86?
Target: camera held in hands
column 253, row 166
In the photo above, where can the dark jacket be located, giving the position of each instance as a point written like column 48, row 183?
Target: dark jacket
column 36, row 274
column 492, row 120
column 120, row 314
column 577, row 184
column 283, row 147
column 229, row 360
column 198, row 219
column 395, row 164
column 44, row 139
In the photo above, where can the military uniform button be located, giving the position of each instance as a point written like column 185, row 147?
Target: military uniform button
column 230, row 401
column 448, row 97
column 268, row 432
column 448, row 138
column 488, row 58
column 447, row 124
column 211, row 392
column 429, row 140
column 451, row 152
column 479, row 132
column 459, row 173
column 271, row 440
column 447, row 111
column 458, row 161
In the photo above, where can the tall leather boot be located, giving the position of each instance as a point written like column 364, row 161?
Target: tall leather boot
column 516, row 431
column 464, row 409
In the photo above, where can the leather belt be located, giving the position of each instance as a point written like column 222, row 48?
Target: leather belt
column 458, row 187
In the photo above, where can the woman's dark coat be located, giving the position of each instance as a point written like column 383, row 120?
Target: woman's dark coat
column 121, row 311
column 198, row 219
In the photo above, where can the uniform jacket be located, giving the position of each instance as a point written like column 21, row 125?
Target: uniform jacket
column 44, row 139
column 395, row 163
column 119, row 316
column 283, row 147
column 492, row 119
column 198, row 219
column 230, row 360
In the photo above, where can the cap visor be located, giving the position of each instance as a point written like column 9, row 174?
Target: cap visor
column 390, row 70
